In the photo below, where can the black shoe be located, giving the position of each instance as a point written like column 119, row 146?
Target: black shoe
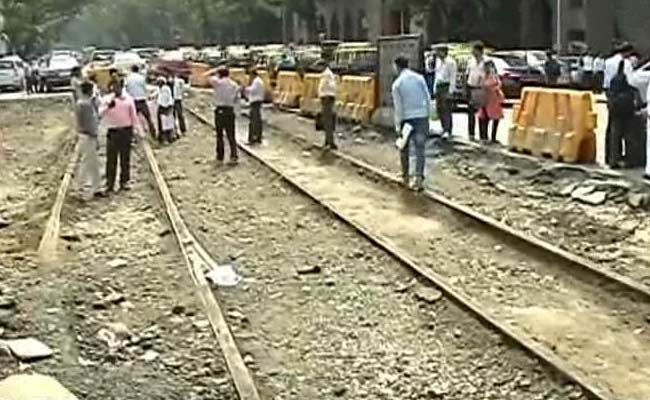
column 333, row 146
column 233, row 161
column 125, row 187
column 100, row 195
column 646, row 177
column 108, row 192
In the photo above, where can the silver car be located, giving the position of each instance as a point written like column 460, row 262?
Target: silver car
column 12, row 74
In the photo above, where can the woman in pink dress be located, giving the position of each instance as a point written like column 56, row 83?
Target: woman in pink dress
column 492, row 109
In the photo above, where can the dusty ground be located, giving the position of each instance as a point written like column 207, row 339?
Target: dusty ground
column 36, row 148
column 528, row 195
column 118, row 307
column 359, row 326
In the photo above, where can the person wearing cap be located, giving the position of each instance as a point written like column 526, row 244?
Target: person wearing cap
column 255, row 93
column 444, row 87
column 226, row 97
column 327, row 89
column 412, row 104
column 165, row 102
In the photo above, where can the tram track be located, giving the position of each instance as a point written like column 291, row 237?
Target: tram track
column 610, row 316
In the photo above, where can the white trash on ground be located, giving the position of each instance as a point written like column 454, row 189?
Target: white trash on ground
column 224, row 275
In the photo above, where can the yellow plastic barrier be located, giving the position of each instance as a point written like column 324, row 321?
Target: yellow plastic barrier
column 240, row 75
column 102, row 77
column 199, row 74
column 357, row 98
column 556, row 123
column 288, row 89
column 309, row 101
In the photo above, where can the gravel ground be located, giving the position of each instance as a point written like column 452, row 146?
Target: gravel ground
column 323, row 314
column 531, row 293
column 523, row 193
column 36, row 147
column 118, row 309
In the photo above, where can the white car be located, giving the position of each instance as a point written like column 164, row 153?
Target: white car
column 124, row 61
column 12, row 73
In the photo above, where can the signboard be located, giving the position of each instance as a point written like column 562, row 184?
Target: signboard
column 389, row 48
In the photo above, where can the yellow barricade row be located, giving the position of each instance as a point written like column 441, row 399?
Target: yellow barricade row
column 102, row 77
column 309, row 101
column 357, row 98
column 556, row 123
column 240, row 75
column 200, row 74
column 288, row 89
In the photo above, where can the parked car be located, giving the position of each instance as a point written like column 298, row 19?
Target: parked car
column 146, row 53
column 124, row 61
column 58, row 71
column 516, row 74
column 12, row 73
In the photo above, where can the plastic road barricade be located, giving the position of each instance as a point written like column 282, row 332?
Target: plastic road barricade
column 199, row 75
column 357, row 98
column 556, row 123
column 309, row 101
column 288, row 89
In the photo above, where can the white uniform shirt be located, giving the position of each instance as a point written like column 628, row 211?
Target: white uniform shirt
column 428, row 62
column 588, row 63
column 328, row 85
column 165, row 98
column 179, row 88
column 256, row 91
column 226, row 92
column 136, row 86
column 446, row 72
column 599, row 64
column 475, row 71
column 611, row 69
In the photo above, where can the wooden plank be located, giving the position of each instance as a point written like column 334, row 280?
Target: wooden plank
column 197, row 261
column 47, row 248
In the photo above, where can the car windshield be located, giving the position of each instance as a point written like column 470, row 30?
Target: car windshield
column 127, row 58
column 105, row 56
column 63, row 62
column 6, row 65
column 511, row 60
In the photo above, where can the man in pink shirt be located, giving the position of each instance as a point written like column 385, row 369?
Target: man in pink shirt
column 121, row 118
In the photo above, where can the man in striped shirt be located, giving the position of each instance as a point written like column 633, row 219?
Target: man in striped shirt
column 121, row 119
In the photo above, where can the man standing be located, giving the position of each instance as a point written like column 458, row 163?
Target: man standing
column 445, row 85
column 179, row 92
column 475, row 97
column 412, row 103
column 588, row 71
column 121, row 118
column 327, row 89
column 255, row 93
column 430, row 66
column 552, row 69
column 87, row 127
column 165, row 102
column 136, row 87
column 599, row 73
column 612, row 65
column 226, row 97
column 75, row 83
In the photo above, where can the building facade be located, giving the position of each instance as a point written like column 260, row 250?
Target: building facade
column 530, row 23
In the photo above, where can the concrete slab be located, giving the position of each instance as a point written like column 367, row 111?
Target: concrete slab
column 32, row 387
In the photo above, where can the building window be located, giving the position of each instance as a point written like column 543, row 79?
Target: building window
column 574, row 4
column 577, row 35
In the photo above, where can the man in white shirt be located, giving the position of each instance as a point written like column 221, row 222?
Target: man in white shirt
column 611, row 69
column 327, row 89
column 255, row 93
column 226, row 97
column 475, row 74
column 136, row 87
column 445, row 85
column 165, row 101
column 179, row 92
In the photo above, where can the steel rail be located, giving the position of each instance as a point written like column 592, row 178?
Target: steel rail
column 540, row 352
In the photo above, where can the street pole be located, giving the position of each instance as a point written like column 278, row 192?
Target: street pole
column 558, row 23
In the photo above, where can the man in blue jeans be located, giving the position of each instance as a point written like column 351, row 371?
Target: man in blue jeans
column 412, row 104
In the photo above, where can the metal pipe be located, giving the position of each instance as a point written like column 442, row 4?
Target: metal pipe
column 558, row 23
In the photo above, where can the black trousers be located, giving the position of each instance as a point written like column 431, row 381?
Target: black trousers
column 224, row 122
column 620, row 129
column 328, row 118
column 472, row 109
column 141, row 107
column 255, row 126
column 445, row 107
column 164, row 135
column 484, row 124
column 179, row 115
column 118, row 146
